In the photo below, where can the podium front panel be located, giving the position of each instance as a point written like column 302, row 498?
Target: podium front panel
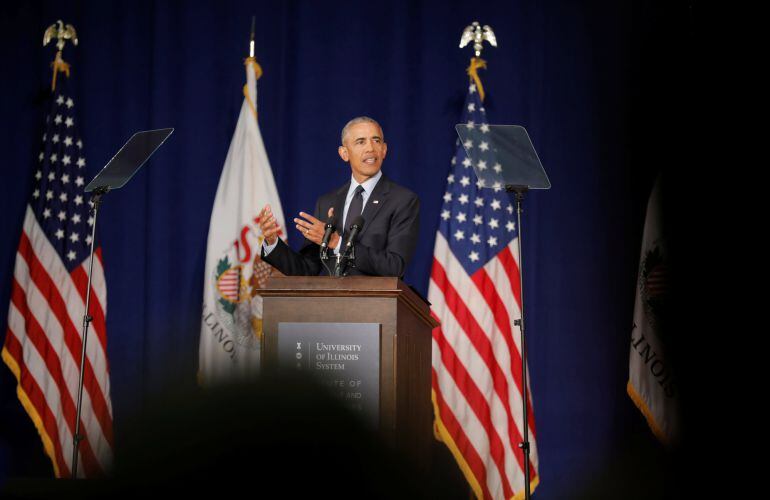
column 404, row 321
column 314, row 310
column 344, row 357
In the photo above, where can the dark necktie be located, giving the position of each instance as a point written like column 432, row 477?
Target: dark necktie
column 355, row 208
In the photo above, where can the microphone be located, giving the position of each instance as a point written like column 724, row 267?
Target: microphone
column 331, row 225
column 355, row 227
column 347, row 249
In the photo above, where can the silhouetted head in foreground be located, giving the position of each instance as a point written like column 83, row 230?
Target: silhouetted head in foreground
column 284, row 435
column 278, row 437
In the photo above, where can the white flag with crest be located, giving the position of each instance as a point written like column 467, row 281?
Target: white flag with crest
column 651, row 383
column 231, row 324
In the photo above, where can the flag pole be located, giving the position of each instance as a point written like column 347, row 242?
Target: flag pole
column 251, row 40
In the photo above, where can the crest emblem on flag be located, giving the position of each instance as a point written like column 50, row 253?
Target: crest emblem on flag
column 229, row 283
column 236, row 281
column 653, row 286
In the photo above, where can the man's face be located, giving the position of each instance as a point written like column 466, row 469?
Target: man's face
column 364, row 148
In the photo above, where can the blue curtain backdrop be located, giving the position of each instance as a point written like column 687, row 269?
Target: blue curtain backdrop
column 587, row 79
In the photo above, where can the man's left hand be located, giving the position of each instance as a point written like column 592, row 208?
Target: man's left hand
column 313, row 229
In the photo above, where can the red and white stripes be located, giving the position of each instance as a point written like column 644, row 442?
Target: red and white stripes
column 43, row 348
column 477, row 379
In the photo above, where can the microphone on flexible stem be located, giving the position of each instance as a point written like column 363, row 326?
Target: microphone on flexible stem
column 355, row 227
column 331, row 225
column 347, row 248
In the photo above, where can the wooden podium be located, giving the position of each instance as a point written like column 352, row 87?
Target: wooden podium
column 405, row 409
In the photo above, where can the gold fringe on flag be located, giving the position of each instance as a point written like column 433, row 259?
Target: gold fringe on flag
column 59, row 64
column 258, row 73
column 26, row 403
column 477, row 63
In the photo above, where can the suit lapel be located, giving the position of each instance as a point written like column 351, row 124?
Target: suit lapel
column 376, row 200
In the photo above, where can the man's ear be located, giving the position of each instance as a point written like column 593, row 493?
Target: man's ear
column 343, row 152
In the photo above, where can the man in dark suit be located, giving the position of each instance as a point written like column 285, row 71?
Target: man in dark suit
column 386, row 242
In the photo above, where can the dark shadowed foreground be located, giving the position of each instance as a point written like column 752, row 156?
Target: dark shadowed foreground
column 280, row 436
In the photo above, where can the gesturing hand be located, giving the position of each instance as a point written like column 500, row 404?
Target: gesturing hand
column 268, row 225
column 313, row 229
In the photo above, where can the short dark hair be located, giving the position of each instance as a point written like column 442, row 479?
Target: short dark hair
column 357, row 120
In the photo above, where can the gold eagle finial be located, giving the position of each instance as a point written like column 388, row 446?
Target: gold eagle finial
column 62, row 33
column 476, row 33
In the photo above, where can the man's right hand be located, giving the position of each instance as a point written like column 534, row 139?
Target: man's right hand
column 268, row 225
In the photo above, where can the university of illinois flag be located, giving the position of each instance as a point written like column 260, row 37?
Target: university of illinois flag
column 651, row 384
column 231, row 326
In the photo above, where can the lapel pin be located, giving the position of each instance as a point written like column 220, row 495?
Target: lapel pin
column 375, row 201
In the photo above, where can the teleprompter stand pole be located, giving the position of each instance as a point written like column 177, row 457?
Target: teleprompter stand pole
column 524, row 445
column 518, row 168
column 114, row 175
column 96, row 199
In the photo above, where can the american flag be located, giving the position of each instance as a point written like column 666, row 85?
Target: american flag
column 43, row 340
column 475, row 294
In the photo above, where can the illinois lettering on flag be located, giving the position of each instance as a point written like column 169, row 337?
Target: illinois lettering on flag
column 43, row 340
column 231, row 326
column 475, row 294
column 650, row 382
